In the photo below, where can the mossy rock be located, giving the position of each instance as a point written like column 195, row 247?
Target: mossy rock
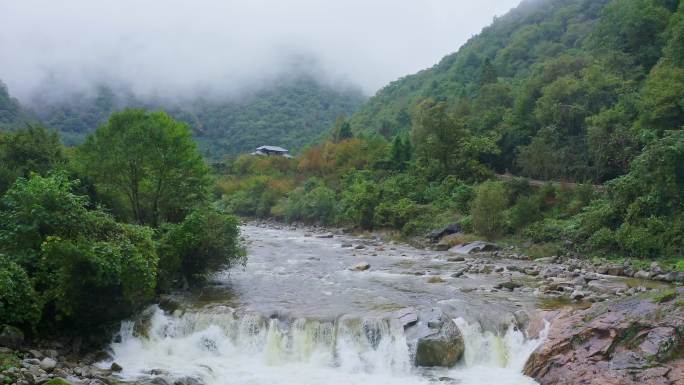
column 58, row 381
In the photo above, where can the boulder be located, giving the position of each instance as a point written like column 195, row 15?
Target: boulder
column 326, row 235
column 47, row 364
column 446, row 230
column 115, row 367
column 11, row 336
column 474, row 247
column 602, row 286
column 436, row 339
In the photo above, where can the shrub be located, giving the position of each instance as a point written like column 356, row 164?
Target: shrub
column 206, row 240
column 312, row 203
column 19, row 303
column 525, row 211
column 487, row 209
column 359, row 199
column 395, row 214
column 547, row 230
column 87, row 268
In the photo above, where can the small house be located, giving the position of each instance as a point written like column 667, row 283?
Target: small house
column 272, row 150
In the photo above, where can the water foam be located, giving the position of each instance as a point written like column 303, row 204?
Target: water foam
column 220, row 347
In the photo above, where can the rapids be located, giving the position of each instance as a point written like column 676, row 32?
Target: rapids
column 297, row 315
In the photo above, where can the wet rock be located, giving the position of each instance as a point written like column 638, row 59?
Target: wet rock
column 440, row 347
column 48, row 364
column 456, row 259
column 446, row 230
column 359, row 247
column 188, row 381
column 11, row 336
column 641, row 274
column 362, row 266
column 435, row 279
column 152, row 381
column 607, row 287
column 458, row 273
column 627, row 342
column 325, row 235
column 474, row 247
column 115, row 367
column 509, row 285
column 405, row 317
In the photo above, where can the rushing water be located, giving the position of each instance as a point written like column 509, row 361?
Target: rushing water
column 275, row 323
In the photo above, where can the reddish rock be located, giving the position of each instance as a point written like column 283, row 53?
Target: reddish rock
column 630, row 342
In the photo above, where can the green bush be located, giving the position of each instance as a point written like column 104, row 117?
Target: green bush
column 525, row 211
column 206, row 240
column 311, row 203
column 87, row 268
column 395, row 214
column 487, row 209
column 546, row 230
column 358, row 200
column 19, row 303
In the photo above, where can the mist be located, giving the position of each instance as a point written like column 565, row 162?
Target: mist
column 179, row 48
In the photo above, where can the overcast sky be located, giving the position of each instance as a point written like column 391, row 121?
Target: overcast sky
column 177, row 47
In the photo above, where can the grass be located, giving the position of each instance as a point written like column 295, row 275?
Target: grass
column 664, row 296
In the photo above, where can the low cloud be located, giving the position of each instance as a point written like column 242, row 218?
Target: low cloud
column 177, row 48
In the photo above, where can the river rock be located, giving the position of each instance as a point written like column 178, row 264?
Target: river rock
column 633, row 341
column 115, row 367
column 474, row 247
column 446, row 230
column 362, row 266
column 436, row 339
column 603, row 286
column 48, row 364
column 325, row 235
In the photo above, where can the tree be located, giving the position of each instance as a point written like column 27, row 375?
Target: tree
column 488, row 207
column 150, row 161
column 443, row 145
column 342, row 129
column 488, row 73
column 29, row 149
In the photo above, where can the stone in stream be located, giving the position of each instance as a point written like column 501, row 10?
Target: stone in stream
column 474, row 247
column 436, row 339
column 48, row 364
column 362, row 266
column 326, row 235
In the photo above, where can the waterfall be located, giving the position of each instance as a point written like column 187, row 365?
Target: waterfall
column 218, row 346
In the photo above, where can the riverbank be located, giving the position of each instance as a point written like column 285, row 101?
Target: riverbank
column 322, row 279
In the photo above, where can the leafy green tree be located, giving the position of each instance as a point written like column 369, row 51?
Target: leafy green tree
column 358, row 200
column 487, row 209
column 342, row 130
column 662, row 100
column 443, row 145
column 400, row 153
column 148, row 160
column 29, row 149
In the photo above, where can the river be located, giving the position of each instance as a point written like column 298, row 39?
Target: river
column 298, row 314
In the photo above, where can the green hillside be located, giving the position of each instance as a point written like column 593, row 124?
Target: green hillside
column 289, row 113
column 11, row 113
column 568, row 89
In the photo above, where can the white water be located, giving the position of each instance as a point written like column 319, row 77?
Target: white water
column 219, row 347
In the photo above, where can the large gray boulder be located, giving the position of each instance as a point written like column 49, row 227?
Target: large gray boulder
column 436, row 340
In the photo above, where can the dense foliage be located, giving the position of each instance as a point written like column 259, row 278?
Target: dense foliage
column 567, row 90
column 146, row 163
column 66, row 263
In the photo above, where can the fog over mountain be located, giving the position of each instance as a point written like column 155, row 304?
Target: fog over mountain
column 181, row 48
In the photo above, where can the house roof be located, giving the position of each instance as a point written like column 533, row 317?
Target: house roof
column 271, row 148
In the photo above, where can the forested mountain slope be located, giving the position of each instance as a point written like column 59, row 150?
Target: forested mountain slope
column 289, row 113
column 567, row 89
column 11, row 113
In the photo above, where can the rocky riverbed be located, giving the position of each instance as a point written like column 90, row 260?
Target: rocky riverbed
column 360, row 306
